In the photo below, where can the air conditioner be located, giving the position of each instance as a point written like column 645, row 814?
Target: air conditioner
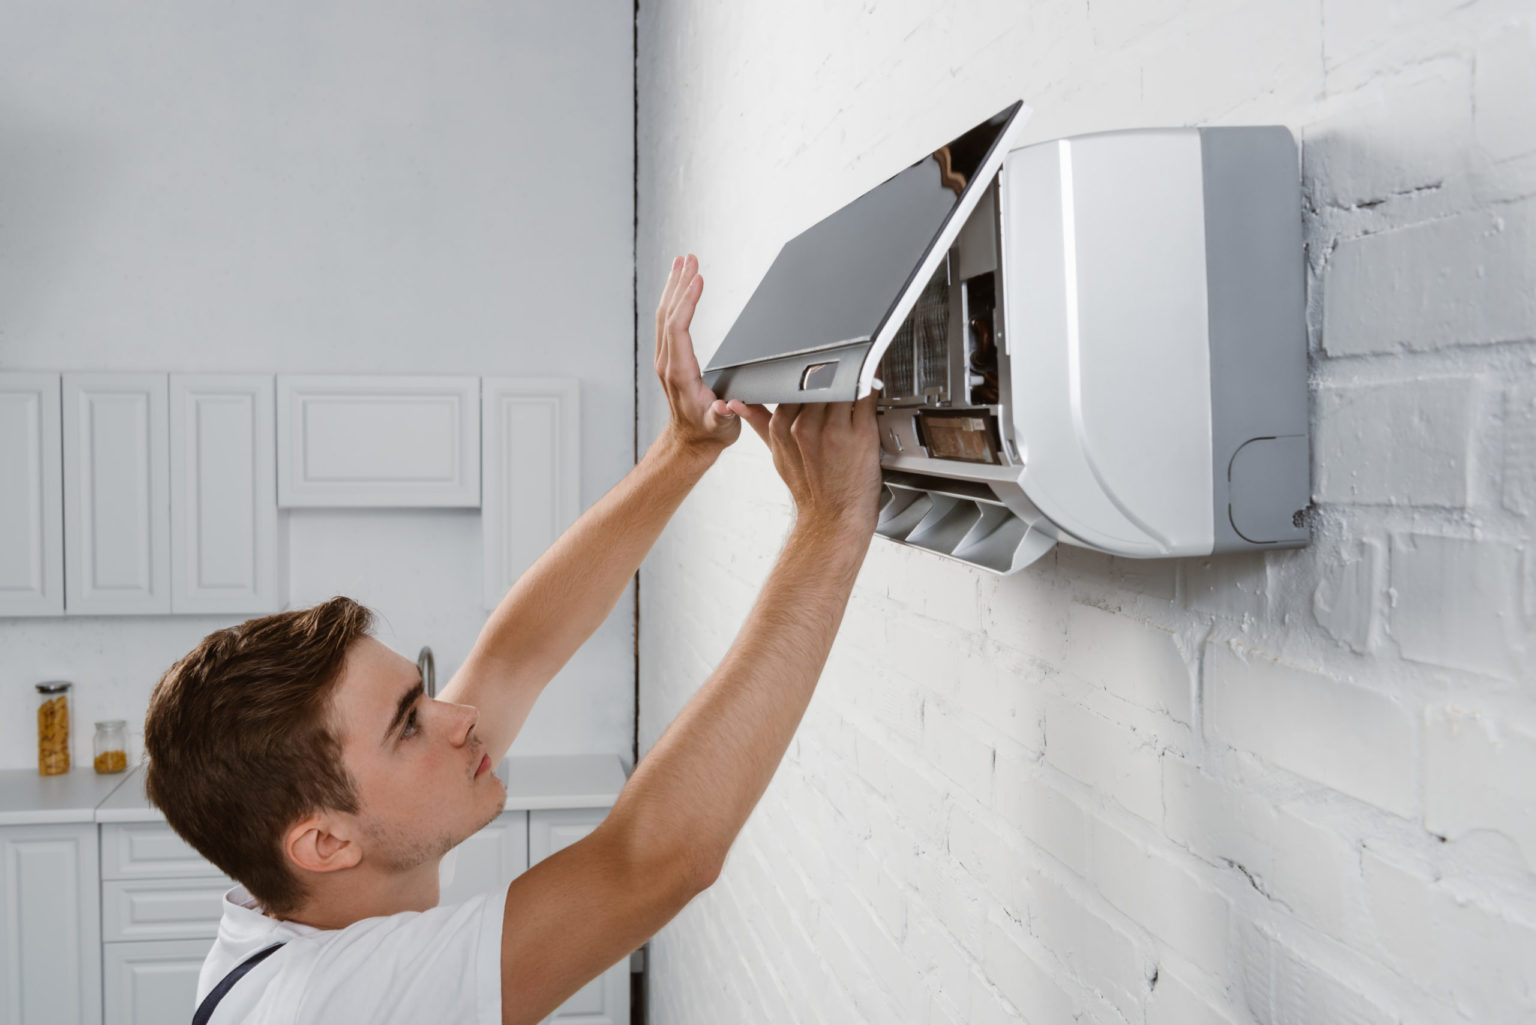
column 1095, row 340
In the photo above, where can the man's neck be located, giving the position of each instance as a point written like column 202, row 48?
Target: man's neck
column 335, row 903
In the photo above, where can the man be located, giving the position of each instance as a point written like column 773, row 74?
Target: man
column 302, row 756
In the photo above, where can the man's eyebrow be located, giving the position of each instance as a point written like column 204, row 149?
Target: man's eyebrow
column 403, row 707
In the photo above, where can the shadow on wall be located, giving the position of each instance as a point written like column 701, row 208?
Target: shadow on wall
column 51, row 184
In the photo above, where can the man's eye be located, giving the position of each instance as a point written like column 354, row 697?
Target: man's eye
column 410, row 729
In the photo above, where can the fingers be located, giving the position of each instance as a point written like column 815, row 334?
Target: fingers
column 676, row 363
column 757, row 417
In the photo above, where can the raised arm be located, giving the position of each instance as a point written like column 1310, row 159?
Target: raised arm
column 564, row 596
column 577, row 912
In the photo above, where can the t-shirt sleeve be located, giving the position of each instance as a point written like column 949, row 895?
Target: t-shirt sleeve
column 442, row 965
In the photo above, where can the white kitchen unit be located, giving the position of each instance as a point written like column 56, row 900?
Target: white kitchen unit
column 532, row 438
column 373, row 440
column 604, row 1000
column 119, row 939
column 223, row 494
column 117, row 524
column 31, row 496
column 50, row 920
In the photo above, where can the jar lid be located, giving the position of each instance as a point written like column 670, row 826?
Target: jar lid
column 111, row 724
column 53, row 687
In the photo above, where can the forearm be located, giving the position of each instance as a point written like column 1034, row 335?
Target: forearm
column 690, row 796
column 565, row 595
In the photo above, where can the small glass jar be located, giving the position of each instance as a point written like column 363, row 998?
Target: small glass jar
column 53, row 728
column 111, row 746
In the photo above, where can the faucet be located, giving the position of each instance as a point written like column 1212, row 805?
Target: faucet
column 428, row 667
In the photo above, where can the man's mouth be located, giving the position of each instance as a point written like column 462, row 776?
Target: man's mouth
column 484, row 766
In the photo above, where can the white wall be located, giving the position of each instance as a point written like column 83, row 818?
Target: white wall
column 1285, row 788
column 300, row 187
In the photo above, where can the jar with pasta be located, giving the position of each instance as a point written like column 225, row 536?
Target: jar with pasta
column 111, row 746
column 53, row 728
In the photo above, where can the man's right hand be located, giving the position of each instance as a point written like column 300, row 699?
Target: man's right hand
column 829, row 456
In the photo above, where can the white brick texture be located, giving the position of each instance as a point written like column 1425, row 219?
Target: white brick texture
column 1280, row 788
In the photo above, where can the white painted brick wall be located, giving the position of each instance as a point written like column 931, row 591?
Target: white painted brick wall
column 1288, row 788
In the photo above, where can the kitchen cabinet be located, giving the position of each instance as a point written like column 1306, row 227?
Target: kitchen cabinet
column 374, row 440
column 117, row 523
column 159, row 488
column 50, row 932
column 223, row 494
column 532, row 436
column 31, row 497
column 604, row 1000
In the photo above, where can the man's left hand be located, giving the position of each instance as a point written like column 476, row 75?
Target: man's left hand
column 699, row 419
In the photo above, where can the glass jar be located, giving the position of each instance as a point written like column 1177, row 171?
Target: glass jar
column 111, row 746
column 52, row 728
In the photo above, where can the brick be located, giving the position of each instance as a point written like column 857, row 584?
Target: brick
column 1519, row 451
column 1462, row 280
column 1024, row 613
column 1356, row 741
column 1164, row 897
column 1250, row 50
column 1303, row 867
column 1104, row 755
column 1352, row 30
column 1463, row 953
column 1003, row 689
column 956, row 746
column 1102, row 955
column 1133, row 660
column 1394, row 135
column 1233, row 586
column 1477, row 775
column 1019, row 977
column 1346, row 600
column 991, row 859
column 1043, row 815
column 1457, row 603
column 1173, row 1002
column 1401, row 443
column 932, row 952
column 1118, row 22
column 1280, row 988
column 1505, row 83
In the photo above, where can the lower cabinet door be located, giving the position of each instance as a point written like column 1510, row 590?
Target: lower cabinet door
column 604, row 1000
column 50, row 925
column 151, row 981
column 487, row 861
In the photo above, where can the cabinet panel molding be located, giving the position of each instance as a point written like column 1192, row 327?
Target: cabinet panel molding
column 151, row 982
column 532, row 473
column 116, row 494
column 350, row 440
column 223, row 494
column 31, row 496
column 50, row 967
column 148, row 850
column 162, row 909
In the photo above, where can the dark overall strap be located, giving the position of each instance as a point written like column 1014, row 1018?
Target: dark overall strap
column 205, row 1009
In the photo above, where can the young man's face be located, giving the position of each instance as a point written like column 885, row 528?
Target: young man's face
column 423, row 778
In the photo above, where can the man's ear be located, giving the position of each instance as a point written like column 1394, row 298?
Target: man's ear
column 322, row 842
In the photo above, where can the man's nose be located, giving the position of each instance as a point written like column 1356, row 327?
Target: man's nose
column 464, row 719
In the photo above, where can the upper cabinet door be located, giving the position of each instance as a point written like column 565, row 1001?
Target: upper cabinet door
column 223, row 494
column 117, row 522
column 31, row 517
column 378, row 441
column 532, row 473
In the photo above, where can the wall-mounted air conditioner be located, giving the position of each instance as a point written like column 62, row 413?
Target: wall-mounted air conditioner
column 1096, row 340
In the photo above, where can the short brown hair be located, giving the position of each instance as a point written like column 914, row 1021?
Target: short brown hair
column 240, row 745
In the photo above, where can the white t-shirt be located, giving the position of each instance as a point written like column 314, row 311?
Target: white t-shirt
column 442, row 965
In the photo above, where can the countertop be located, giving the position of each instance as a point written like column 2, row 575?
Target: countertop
column 533, row 781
